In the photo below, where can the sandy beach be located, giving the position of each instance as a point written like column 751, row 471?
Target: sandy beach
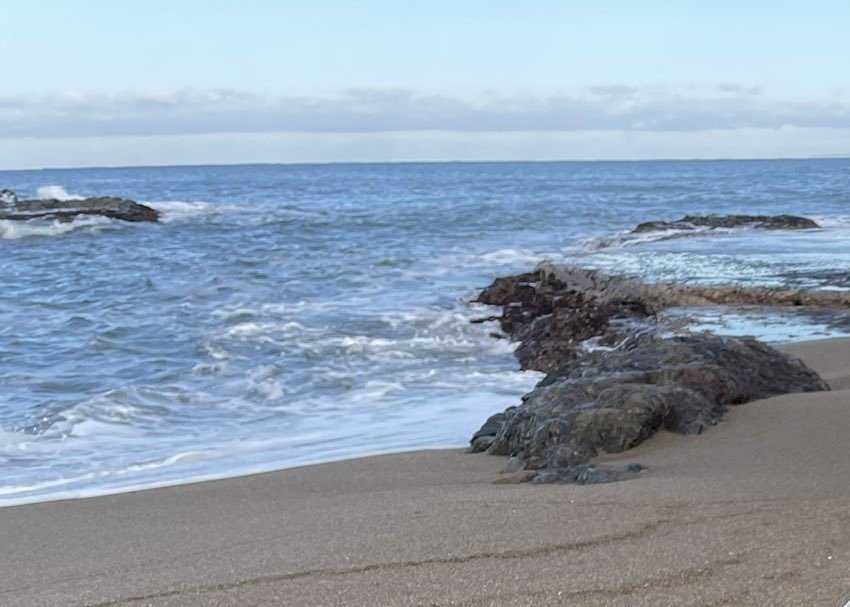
column 756, row 511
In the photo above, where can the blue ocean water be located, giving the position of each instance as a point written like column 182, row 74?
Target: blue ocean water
column 283, row 315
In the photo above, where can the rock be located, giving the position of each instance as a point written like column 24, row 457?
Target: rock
column 554, row 310
column 611, row 401
column 590, row 474
column 515, row 464
column 62, row 210
column 759, row 222
column 485, row 436
column 632, row 382
column 551, row 317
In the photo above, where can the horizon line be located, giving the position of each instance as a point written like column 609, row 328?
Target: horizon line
column 430, row 162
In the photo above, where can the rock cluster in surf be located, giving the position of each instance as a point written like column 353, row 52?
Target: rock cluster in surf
column 758, row 222
column 11, row 208
column 696, row 225
column 554, row 309
column 635, row 382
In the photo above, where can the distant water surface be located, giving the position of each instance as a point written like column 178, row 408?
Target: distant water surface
column 283, row 315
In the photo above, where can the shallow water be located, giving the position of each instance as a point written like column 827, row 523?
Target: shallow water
column 283, row 315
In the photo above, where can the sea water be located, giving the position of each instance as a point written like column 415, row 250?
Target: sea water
column 285, row 315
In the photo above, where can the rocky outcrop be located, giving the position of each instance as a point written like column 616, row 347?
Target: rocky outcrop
column 67, row 210
column 634, row 382
column 551, row 319
column 611, row 401
column 759, row 222
column 554, row 309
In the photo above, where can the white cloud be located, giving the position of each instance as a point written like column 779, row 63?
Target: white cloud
column 599, row 108
column 227, row 148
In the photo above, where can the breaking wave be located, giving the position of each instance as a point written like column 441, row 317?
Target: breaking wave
column 56, row 192
column 14, row 230
column 630, row 239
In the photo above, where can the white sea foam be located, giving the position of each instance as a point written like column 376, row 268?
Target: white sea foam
column 218, row 352
column 56, row 192
column 10, row 441
column 631, row 239
column 14, row 230
column 511, row 257
column 264, row 329
column 178, row 210
column 377, row 390
column 832, row 221
column 183, row 210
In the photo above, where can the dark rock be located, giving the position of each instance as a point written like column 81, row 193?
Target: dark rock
column 515, row 464
column 589, row 474
column 633, row 383
column 554, row 310
column 482, row 443
column 551, row 317
column 485, row 436
column 759, row 222
column 67, row 210
column 611, row 401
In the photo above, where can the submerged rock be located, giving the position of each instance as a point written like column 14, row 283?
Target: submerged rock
column 611, row 401
column 759, row 222
column 67, row 210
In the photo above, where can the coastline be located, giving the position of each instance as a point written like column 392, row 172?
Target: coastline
column 753, row 511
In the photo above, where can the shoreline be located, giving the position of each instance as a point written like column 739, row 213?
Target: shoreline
column 824, row 355
column 752, row 511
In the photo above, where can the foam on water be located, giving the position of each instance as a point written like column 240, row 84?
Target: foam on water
column 56, row 192
column 15, row 230
column 832, row 221
column 510, row 257
column 631, row 239
column 178, row 210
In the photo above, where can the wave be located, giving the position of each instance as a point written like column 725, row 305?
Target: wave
column 8, row 493
column 511, row 257
column 629, row 238
column 14, row 230
column 178, row 210
column 832, row 221
column 182, row 210
column 56, row 192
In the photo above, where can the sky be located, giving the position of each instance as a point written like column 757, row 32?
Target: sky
column 105, row 83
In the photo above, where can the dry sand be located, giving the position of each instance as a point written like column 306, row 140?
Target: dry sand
column 756, row 511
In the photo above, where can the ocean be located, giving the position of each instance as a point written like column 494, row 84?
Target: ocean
column 287, row 315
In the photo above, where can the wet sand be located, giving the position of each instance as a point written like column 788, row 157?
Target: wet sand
column 756, row 511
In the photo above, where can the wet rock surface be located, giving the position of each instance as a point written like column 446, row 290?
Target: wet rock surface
column 611, row 401
column 635, row 382
column 553, row 310
column 67, row 210
column 759, row 222
column 551, row 318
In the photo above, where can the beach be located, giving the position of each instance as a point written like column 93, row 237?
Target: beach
column 754, row 511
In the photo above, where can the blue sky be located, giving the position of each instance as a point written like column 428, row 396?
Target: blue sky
column 157, row 82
